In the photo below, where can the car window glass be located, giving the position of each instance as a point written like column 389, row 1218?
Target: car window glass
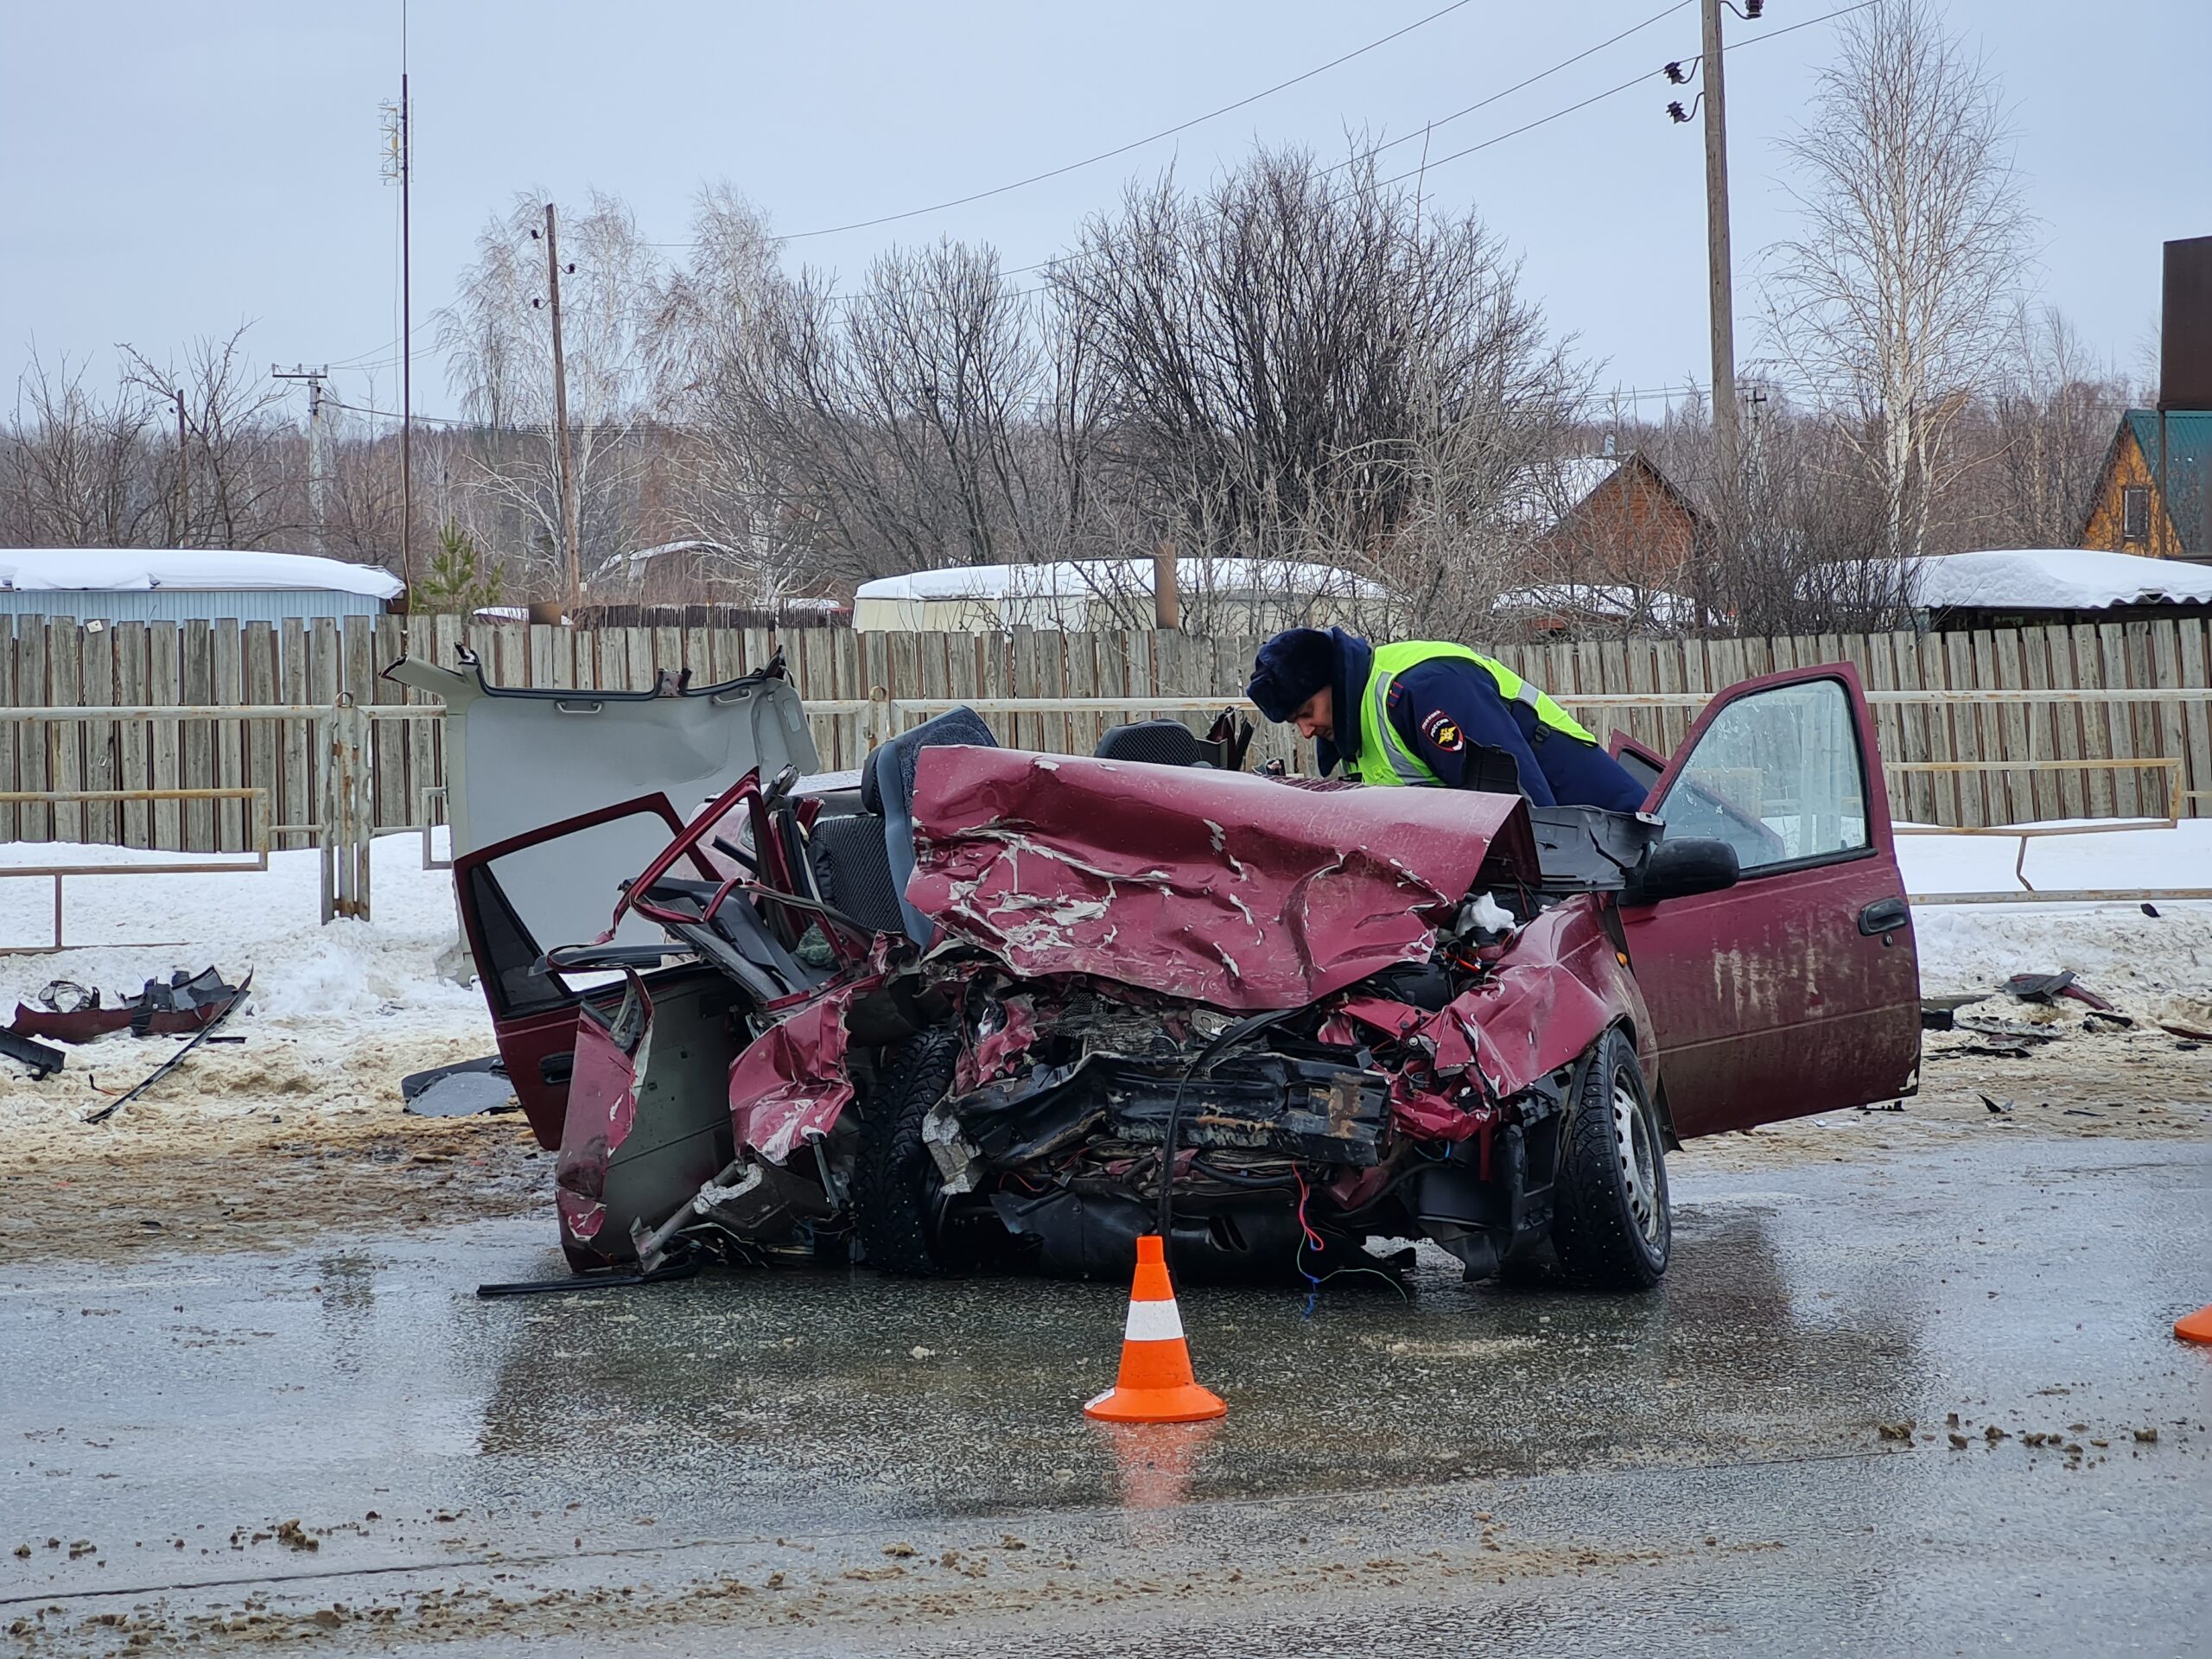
column 1776, row 775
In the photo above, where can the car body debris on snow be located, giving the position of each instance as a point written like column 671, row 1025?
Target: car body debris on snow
column 1016, row 1009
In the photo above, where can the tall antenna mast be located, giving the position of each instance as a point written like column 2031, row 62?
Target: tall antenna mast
column 399, row 168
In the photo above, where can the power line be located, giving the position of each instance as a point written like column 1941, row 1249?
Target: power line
column 1484, row 102
column 1544, row 120
column 1118, row 150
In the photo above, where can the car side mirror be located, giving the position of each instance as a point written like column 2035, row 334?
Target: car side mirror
column 1681, row 869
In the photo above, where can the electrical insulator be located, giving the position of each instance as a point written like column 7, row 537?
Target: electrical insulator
column 1674, row 73
column 1674, row 108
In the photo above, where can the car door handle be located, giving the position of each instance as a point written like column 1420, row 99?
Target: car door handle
column 1884, row 916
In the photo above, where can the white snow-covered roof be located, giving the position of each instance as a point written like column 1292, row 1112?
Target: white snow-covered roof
column 1076, row 579
column 1540, row 495
column 2056, row 579
column 131, row 569
column 1599, row 599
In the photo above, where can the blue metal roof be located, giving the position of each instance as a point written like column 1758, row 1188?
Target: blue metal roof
column 2187, row 468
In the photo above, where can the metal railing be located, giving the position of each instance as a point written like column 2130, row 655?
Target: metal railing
column 255, row 799
column 345, row 829
column 342, row 836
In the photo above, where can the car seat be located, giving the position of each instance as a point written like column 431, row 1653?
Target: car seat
column 887, row 789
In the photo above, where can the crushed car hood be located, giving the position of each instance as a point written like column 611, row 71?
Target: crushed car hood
column 1240, row 891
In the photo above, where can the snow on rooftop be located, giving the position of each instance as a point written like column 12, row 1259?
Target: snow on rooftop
column 2056, row 579
column 1074, row 579
column 1540, row 495
column 1653, row 605
column 132, row 570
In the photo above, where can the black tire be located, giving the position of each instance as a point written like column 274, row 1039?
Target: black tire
column 897, row 1190
column 1610, row 1222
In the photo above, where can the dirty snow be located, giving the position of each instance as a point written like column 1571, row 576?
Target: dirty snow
column 337, row 1014
column 2161, row 965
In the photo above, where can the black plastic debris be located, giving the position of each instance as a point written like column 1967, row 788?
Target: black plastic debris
column 42, row 1059
column 1941, row 1013
column 1994, row 1107
column 216, row 1014
column 461, row 1091
column 2150, row 910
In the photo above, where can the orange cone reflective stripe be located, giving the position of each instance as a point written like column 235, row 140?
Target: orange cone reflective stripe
column 1156, row 1384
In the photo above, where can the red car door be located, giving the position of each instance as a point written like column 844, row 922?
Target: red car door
column 1797, row 990
column 534, row 892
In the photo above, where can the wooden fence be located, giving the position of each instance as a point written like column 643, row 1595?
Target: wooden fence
column 59, row 662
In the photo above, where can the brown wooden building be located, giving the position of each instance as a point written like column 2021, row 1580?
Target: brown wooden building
column 2151, row 497
column 1614, row 520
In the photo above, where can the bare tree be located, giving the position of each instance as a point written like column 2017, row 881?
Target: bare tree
column 1300, row 358
column 2052, row 417
column 901, row 426
column 73, row 468
column 498, row 339
column 1892, row 298
column 233, row 477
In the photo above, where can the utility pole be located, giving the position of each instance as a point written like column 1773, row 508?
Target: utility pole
column 1726, row 453
column 318, row 460
column 570, row 507
column 399, row 168
column 406, row 327
column 184, row 475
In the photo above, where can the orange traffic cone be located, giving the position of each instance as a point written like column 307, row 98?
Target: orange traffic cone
column 1156, row 1384
column 2190, row 1328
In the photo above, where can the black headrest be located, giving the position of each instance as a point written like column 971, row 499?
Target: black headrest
column 1162, row 742
column 961, row 725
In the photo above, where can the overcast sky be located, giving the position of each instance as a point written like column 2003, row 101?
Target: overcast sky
column 170, row 169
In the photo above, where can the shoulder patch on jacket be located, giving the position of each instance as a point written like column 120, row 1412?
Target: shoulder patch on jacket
column 1443, row 732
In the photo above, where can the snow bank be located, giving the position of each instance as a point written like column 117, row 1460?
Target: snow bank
column 338, row 1013
column 2157, row 966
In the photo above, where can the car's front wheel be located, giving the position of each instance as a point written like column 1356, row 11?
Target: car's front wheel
column 1609, row 1222
column 897, row 1192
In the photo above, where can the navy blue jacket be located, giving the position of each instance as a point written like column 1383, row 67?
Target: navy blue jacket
column 1450, row 714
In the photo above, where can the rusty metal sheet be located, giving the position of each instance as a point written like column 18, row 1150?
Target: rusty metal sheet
column 1236, row 891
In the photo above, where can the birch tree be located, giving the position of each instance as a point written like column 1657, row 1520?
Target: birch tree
column 1893, row 297
column 498, row 340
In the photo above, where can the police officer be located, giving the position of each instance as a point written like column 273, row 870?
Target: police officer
column 1425, row 713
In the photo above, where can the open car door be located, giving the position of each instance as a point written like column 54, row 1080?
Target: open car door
column 539, row 890
column 1797, row 990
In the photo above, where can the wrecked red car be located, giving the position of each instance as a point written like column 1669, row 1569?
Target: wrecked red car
column 1006, row 1010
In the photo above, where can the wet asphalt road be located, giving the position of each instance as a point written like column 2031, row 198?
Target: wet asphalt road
column 800, row 1463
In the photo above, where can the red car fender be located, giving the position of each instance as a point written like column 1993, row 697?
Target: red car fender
column 1558, row 989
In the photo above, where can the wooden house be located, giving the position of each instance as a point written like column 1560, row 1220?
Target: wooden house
column 2151, row 497
column 1610, row 519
